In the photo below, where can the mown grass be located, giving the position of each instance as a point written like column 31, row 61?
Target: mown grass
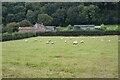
column 92, row 59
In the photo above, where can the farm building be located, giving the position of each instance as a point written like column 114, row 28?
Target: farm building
column 50, row 28
column 84, row 27
column 36, row 28
column 26, row 29
column 97, row 27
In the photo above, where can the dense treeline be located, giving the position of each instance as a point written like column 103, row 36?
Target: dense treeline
column 59, row 14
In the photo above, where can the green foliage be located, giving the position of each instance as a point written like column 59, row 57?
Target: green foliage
column 10, row 18
column 103, row 27
column 45, row 19
column 69, row 27
column 25, row 23
column 59, row 17
column 21, row 35
column 88, row 29
column 12, row 27
column 17, row 35
column 4, row 29
column 58, row 28
column 60, row 14
column 76, row 28
column 31, row 16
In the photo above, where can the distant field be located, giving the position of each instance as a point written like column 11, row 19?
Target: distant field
column 92, row 59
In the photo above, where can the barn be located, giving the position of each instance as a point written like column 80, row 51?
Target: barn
column 50, row 28
column 36, row 28
column 84, row 27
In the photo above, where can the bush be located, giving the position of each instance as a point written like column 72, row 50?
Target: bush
column 17, row 35
column 12, row 27
column 76, row 28
column 58, row 28
column 103, row 27
column 21, row 35
column 25, row 23
column 6, row 37
column 69, row 27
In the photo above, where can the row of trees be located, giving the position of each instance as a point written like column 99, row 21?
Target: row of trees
column 59, row 14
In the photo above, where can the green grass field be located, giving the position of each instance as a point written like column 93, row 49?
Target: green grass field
column 34, row 59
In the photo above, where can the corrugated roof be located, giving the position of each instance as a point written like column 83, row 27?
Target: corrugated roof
column 25, row 28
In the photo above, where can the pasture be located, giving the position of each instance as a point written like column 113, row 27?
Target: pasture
column 97, row 57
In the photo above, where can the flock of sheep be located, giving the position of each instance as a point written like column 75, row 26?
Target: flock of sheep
column 65, row 41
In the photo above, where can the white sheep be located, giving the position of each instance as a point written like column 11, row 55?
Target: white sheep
column 82, row 41
column 26, row 40
column 94, row 37
column 35, row 39
column 75, row 42
column 109, row 40
column 52, row 42
column 65, row 41
column 47, row 42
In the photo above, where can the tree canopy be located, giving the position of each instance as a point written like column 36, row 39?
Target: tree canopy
column 60, row 14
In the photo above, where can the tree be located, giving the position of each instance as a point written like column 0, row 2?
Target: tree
column 71, row 15
column 10, row 18
column 25, row 23
column 12, row 27
column 59, row 17
column 45, row 19
column 4, row 11
column 62, row 13
column 19, row 16
column 47, row 8
column 17, row 9
column 31, row 16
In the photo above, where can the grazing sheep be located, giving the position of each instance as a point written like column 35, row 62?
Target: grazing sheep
column 65, row 41
column 35, row 39
column 109, row 40
column 82, row 41
column 26, row 40
column 47, row 42
column 75, row 42
column 94, row 37
column 52, row 42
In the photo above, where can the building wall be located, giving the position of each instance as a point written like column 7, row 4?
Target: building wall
column 84, row 28
column 25, row 30
column 35, row 28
